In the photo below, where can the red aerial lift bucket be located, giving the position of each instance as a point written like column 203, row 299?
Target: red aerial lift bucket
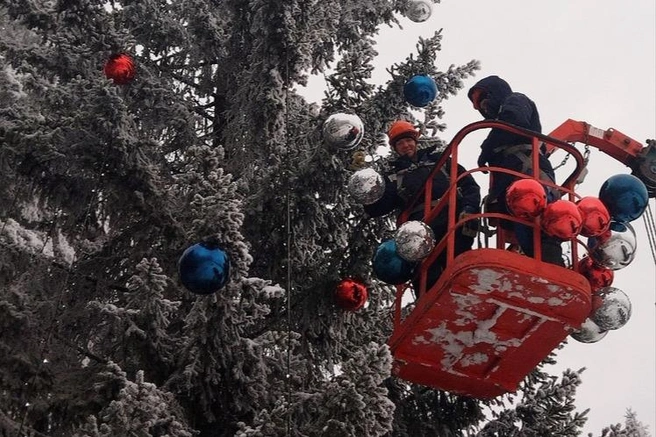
column 495, row 314
column 490, row 319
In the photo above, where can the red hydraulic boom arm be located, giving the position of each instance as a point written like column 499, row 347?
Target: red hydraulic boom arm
column 641, row 159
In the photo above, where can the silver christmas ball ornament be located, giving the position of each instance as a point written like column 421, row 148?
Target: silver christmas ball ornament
column 414, row 240
column 419, row 10
column 589, row 332
column 366, row 186
column 343, row 131
column 616, row 248
column 611, row 308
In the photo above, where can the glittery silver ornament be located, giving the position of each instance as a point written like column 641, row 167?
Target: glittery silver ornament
column 414, row 240
column 419, row 10
column 343, row 131
column 590, row 332
column 616, row 248
column 611, row 308
column 366, row 186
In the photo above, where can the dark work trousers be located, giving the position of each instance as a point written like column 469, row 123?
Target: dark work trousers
column 552, row 251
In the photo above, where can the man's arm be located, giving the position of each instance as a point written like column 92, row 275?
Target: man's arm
column 386, row 204
column 518, row 110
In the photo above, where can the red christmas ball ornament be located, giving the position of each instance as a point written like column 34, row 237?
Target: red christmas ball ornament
column 120, row 68
column 597, row 275
column 562, row 219
column 526, row 198
column 596, row 218
column 350, row 294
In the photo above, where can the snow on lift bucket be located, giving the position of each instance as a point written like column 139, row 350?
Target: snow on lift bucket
column 493, row 314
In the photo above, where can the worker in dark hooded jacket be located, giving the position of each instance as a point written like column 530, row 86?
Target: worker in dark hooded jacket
column 406, row 178
column 495, row 100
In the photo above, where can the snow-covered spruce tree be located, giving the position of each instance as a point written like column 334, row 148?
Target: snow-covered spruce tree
column 545, row 408
column 103, row 186
column 139, row 406
column 632, row 428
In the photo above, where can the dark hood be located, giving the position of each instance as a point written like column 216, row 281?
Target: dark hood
column 497, row 88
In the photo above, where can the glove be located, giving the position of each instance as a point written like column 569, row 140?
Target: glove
column 470, row 227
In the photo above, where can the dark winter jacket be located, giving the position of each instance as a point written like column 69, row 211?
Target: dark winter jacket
column 502, row 148
column 508, row 106
column 406, row 178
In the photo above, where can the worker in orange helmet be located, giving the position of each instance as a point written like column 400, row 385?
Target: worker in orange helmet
column 408, row 171
column 493, row 98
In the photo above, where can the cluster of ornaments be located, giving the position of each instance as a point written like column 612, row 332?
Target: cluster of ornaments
column 611, row 239
column 395, row 259
column 611, row 309
column 394, row 263
column 203, row 268
column 389, row 266
column 419, row 90
column 342, row 131
column 622, row 199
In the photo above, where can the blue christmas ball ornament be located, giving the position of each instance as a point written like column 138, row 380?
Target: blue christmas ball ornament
column 389, row 267
column 625, row 196
column 204, row 268
column 420, row 90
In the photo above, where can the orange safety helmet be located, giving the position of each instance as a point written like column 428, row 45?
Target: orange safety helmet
column 401, row 129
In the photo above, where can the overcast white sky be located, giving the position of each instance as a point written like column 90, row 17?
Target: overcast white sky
column 589, row 60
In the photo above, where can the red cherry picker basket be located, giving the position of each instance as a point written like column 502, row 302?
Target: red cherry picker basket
column 493, row 314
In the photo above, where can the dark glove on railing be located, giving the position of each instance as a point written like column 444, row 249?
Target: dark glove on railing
column 470, row 227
